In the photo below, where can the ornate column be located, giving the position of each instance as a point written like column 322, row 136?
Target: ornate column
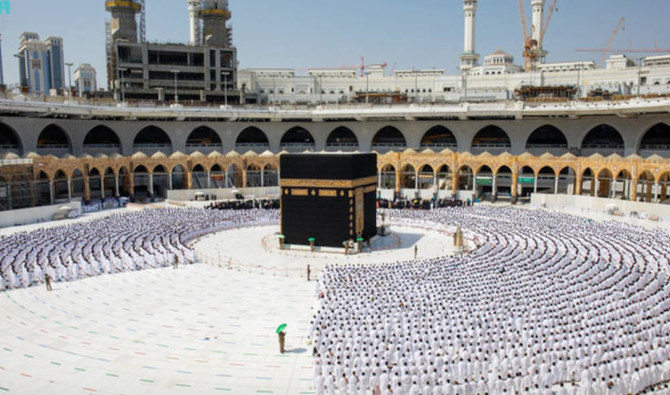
column 87, row 188
column 51, row 191
column 397, row 181
column 416, row 179
column 170, row 181
column 515, row 184
column 151, row 184
column 244, row 178
column 578, row 185
column 131, row 183
column 102, row 188
column 655, row 192
column 454, row 181
column 535, row 184
column 633, row 191
column 116, row 184
column 69, row 189
column 209, row 180
column 556, row 178
column 189, row 179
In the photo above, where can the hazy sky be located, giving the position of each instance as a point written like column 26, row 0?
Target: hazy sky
column 318, row 33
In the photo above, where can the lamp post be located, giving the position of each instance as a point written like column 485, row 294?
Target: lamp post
column 367, row 87
column 176, row 94
column 639, row 74
column 225, row 87
column 416, row 85
column 69, row 74
column 122, row 70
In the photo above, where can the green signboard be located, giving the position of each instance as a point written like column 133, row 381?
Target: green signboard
column 527, row 180
column 485, row 181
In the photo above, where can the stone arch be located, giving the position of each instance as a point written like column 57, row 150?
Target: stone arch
column 179, row 176
column 160, row 178
column 546, row 180
column 492, row 139
column 388, row 139
column 252, row 138
column 10, row 140
column 77, row 183
column 270, row 175
column 567, row 177
column 664, row 187
column 622, row 184
column 95, row 183
column 588, row 178
column 466, row 179
column 504, row 182
column 297, row 139
column 547, row 138
column 387, row 177
column 141, row 182
column 152, row 139
column 604, row 183
column 125, row 180
column 199, row 178
column 43, row 190
column 408, row 178
column 444, row 178
column 54, row 140
column 62, row 184
column 203, row 139
column 426, row 177
column 603, row 139
column 254, row 175
column 656, row 141
column 439, row 137
column 644, row 186
column 102, row 140
column 109, row 182
column 342, row 139
column 234, row 176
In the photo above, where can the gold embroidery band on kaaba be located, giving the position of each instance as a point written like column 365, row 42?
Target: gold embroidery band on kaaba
column 299, row 183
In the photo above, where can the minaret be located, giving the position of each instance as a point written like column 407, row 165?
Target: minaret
column 469, row 58
column 215, row 14
column 194, row 17
column 538, row 25
column 2, row 78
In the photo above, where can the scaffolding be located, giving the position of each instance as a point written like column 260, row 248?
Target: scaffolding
column 143, row 22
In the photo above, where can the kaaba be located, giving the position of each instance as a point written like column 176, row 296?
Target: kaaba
column 328, row 197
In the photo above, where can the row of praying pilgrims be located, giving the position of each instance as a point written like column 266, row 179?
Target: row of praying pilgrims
column 131, row 241
column 582, row 308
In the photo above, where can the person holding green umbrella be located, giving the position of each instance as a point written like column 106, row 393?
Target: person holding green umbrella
column 281, row 331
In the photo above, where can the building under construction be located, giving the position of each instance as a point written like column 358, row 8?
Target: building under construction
column 205, row 70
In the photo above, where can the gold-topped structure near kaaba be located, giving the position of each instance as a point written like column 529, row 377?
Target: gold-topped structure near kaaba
column 328, row 197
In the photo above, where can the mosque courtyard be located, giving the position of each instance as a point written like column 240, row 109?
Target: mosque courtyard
column 543, row 303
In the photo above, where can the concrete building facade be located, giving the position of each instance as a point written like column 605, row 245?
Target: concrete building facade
column 85, row 79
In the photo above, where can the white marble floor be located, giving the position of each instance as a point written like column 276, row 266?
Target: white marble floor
column 242, row 248
column 198, row 329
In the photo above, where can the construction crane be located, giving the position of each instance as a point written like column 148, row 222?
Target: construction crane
column 143, row 22
column 532, row 49
column 619, row 26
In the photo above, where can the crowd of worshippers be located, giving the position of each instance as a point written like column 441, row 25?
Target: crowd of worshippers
column 547, row 304
column 250, row 204
column 130, row 241
column 419, row 204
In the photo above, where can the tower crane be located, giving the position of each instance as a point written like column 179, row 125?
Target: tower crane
column 532, row 48
column 606, row 52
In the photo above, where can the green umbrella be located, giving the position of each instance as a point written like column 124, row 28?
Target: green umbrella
column 281, row 328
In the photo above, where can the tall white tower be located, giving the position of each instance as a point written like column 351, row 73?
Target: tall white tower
column 194, row 17
column 469, row 58
column 538, row 18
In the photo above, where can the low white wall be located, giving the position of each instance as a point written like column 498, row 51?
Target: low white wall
column 224, row 193
column 33, row 215
column 600, row 205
